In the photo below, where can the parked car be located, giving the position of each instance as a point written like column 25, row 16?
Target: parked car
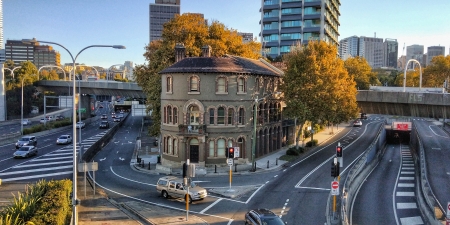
column 262, row 216
column 60, row 117
column 81, row 125
column 26, row 141
column 26, row 122
column 357, row 123
column 64, row 139
column 117, row 119
column 104, row 117
column 104, row 124
column 25, row 152
column 170, row 186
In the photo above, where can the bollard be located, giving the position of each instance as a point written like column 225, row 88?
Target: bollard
column 267, row 163
column 143, row 164
column 149, row 166
column 235, row 167
column 215, row 168
column 276, row 162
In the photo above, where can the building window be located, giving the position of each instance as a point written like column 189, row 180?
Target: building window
column 291, row 23
column 221, row 148
column 175, row 146
column 169, row 114
column 241, row 85
column 230, row 116
column 175, row 115
column 194, row 115
column 221, row 116
column 257, row 84
column 211, row 149
column 169, row 84
column 211, row 116
column 194, row 84
column 241, row 116
column 221, row 85
column 170, row 145
column 165, row 115
column 291, row 11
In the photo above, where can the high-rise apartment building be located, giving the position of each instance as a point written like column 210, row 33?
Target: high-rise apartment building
column 371, row 48
column 414, row 52
column 433, row 51
column 246, row 37
column 348, row 47
column 161, row 12
column 285, row 23
column 390, row 48
column 1, row 24
column 40, row 55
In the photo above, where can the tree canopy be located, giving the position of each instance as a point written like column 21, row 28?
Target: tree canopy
column 358, row 68
column 316, row 85
column 194, row 33
column 437, row 72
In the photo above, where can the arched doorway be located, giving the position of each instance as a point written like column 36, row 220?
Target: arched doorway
column 193, row 151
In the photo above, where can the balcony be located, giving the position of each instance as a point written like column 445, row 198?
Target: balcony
column 193, row 130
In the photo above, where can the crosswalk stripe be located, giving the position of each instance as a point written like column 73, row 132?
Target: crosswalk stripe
column 411, row 205
column 405, row 185
column 405, row 193
column 411, row 220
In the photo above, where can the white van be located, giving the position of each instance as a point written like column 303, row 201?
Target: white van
column 50, row 118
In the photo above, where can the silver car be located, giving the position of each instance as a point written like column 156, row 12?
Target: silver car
column 64, row 139
column 25, row 152
column 26, row 141
column 170, row 186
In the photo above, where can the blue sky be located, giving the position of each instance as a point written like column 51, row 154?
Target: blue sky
column 79, row 23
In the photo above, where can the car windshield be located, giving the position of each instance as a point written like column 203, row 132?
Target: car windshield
column 63, row 137
column 272, row 221
column 23, row 149
column 24, row 139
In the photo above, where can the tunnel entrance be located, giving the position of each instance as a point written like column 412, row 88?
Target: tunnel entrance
column 397, row 136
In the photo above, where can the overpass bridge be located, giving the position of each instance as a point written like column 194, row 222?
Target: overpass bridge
column 413, row 102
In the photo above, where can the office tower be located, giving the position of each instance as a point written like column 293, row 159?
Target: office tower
column 390, row 47
column 288, row 22
column 161, row 12
column 1, row 24
column 348, row 47
column 128, row 70
column 414, row 52
column 433, row 51
column 371, row 48
column 40, row 55
column 246, row 37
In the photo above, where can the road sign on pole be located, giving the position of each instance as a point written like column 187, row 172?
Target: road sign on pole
column 335, row 188
column 230, row 162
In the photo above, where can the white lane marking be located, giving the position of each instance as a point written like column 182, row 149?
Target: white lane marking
column 154, row 203
column 435, row 132
column 314, row 188
column 405, row 185
column 42, row 164
column 210, row 206
column 36, row 170
column 37, row 176
column 406, row 178
column 411, row 220
column 405, row 193
column 411, row 205
column 276, row 175
column 407, row 172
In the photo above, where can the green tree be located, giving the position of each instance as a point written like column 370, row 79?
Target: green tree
column 437, row 72
column 194, row 33
column 358, row 68
column 316, row 86
column 412, row 78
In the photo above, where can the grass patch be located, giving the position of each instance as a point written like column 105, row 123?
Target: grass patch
column 289, row 158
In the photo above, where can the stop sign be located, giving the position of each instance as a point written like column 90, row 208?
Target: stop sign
column 335, row 185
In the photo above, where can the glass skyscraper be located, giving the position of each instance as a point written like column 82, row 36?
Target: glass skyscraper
column 287, row 22
column 161, row 12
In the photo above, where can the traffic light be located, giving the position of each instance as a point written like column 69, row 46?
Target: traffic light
column 334, row 169
column 338, row 151
column 230, row 153
column 185, row 170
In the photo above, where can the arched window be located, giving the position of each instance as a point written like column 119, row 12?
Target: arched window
column 175, row 115
column 169, row 84
column 211, row 116
column 194, row 115
column 165, row 115
column 169, row 114
column 241, row 144
column 230, row 120
column 170, row 145
column 230, row 143
column 221, row 116
column 221, row 85
column 175, row 146
column 241, row 116
column 211, row 149
column 221, row 148
column 257, row 84
column 193, row 84
column 241, row 85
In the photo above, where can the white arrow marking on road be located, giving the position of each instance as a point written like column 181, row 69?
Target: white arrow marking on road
column 102, row 159
column 120, row 158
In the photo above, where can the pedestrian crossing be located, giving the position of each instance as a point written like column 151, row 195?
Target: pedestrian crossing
column 57, row 164
column 406, row 206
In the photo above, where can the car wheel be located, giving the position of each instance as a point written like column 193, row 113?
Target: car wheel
column 165, row 194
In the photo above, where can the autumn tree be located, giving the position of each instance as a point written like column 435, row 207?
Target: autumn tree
column 437, row 72
column 194, row 33
column 412, row 78
column 316, row 85
column 358, row 68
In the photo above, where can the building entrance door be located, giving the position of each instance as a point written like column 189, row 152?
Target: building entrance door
column 193, row 154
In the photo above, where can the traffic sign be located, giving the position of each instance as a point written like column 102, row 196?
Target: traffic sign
column 236, row 152
column 82, row 110
column 448, row 210
column 230, row 162
column 335, row 188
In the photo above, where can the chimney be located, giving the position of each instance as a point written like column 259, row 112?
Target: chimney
column 180, row 52
column 206, row 51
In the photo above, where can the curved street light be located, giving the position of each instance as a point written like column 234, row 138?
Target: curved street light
column 112, row 77
column 74, row 182
column 51, row 66
column 81, row 77
column 404, row 75
column 12, row 72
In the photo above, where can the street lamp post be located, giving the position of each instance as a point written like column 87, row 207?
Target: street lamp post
column 51, row 66
column 74, row 182
column 12, row 73
column 112, row 77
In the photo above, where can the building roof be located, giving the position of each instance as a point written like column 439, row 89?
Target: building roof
column 226, row 64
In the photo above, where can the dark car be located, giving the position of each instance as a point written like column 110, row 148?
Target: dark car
column 25, row 152
column 104, row 124
column 104, row 117
column 117, row 119
column 262, row 217
column 26, row 141
column 60, row 117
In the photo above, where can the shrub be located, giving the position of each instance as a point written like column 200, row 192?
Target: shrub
column 292, row 151
column 311, row 143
